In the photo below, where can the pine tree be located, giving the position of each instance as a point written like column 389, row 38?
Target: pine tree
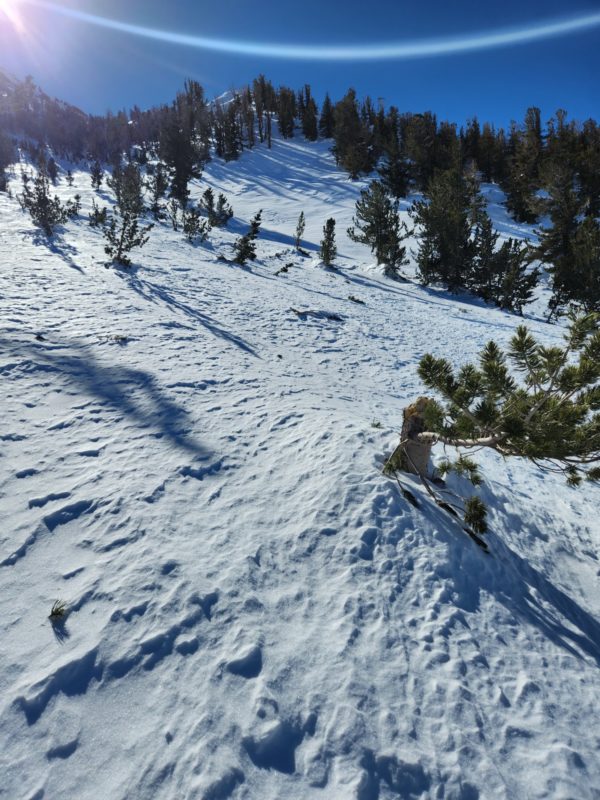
column 395, row 173
column 219, row 214
column 377, row 224
column 300, row 230
column 245, row 246
column 586, row 265
column 96, row 174
column 52, row 170
column 352, row 137
column 500, row 275
column 7, row 157
column 522, row 176
column 328, row 248
column 123, row 233
column 157, row 184
column 195, row 228
column 47, row 212
column 122, row 230
column 446, row 249
column 548, row 411
column 326, row 122
column 556, row 243
column 286, row 111
column 70, row 179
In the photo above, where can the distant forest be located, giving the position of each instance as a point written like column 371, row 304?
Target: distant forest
column 549, row 169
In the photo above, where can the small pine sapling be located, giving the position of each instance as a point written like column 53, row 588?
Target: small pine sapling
column 245, row 246
column 300, row 227
column 328, row 248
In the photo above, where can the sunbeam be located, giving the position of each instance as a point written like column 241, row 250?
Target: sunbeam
column 420, row 48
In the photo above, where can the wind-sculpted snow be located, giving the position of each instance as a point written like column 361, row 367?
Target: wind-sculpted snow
column 191, row 458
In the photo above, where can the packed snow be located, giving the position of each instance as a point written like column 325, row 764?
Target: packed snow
column 254, row 610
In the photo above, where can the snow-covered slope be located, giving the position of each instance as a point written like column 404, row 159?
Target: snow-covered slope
column 255, row 611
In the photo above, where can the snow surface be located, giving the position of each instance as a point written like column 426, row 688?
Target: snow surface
column 255, row 610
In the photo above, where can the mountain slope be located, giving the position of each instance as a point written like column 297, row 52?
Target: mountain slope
column 256, row 612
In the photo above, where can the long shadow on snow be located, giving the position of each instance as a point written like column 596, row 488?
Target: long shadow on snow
column 520, row 588
column 58, row 247
column 133, row 392
column 154, row 294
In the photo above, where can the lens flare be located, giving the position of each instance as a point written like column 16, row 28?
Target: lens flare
column 419, row 48
column 8, row 10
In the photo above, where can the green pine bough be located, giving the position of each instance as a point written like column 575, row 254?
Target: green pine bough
column 536, row 402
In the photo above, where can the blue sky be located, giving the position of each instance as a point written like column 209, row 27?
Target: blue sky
column 98, row 69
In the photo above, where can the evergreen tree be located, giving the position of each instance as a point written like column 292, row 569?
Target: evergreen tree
column 219, row 214
column 377, row 224
column 98, row 216
column 286, row 111
column 96, row 174
column 556, row 242
column 195, row 228
column 70, row 179
column 522, row 177
column 328, row 248
column 157, row 183
column 127, row 184
column 446, row 249
column 500, row 275
column 395, row 173
column 7, row 157
column 586, row 265
column 300, row 230
column 352, row 137
column 123, row 233
column 122, row 230
column 548, row 411
column 47, row 212
column 52, row 170
column 326, row 121
column 245, row 246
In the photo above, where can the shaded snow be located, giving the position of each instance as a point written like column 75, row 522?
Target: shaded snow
column 255, row 611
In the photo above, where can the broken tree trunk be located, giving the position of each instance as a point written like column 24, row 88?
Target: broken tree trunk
column 412, row 455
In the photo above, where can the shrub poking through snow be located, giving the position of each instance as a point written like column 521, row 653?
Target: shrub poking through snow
column 245, row 247
column 547, row 411
column 195, row 228
column 47, row 212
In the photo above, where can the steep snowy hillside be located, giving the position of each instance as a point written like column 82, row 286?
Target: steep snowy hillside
column 255, row 610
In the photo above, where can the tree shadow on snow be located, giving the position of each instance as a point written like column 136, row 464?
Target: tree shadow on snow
column 158, row 294
column 133, row 392
column 524, row 591
column 57, row 246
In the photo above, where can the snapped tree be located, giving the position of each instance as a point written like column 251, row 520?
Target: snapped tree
column 546, row 409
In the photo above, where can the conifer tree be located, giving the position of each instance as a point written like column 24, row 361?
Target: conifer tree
column 556, row 243
column 52, row 170
column 245, row 246
column 158, row 184
column 47, row 212
column 328, row 250
column 286, row 111
column 352, row 137
column 548, row 410
column 122, row 230
column 500, row 275
column 326, row 121
column 446, row 248
column 300, row 230
column 377, row 224
column 522, row 176
column 96, row 174
column 70, row 179
column 7, row 157
column 195, row 228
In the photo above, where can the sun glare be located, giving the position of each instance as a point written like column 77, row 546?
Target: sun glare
column 8, row 10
